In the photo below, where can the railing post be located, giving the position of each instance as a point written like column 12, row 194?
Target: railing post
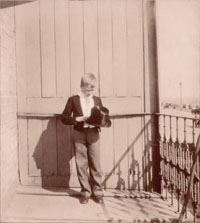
column 156, row 155
column 151, row 85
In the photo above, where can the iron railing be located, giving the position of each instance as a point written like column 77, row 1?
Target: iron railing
column 178, row 138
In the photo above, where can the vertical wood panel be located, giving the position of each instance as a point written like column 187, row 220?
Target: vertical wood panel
column 33, row 66
column 20, row 55
column 91, row 39
column 134, row 48
column 35, row 163
column 49, row 148
column 62, row 48
column 105, row 47
column 23, row 155
column 76, row 44
column 28, row 51
column 107, row 149
column 73, row 178
column 48, row 48
column 121, row 152
column 64, row 148
column 119, row 47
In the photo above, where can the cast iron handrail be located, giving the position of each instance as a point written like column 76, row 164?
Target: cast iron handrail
column 177, row 143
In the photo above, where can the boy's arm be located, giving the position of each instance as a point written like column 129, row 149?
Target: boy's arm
column 66, row 117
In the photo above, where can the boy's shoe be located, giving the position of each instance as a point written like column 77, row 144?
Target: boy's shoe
column 84, row 200
column 98, row 199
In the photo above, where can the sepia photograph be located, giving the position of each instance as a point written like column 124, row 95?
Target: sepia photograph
column 99, row 111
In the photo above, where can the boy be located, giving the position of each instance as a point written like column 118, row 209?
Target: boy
column 86, row 138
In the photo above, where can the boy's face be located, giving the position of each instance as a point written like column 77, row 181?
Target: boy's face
column 88, row 89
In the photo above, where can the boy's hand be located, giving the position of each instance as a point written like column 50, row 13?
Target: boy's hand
column 81, row 118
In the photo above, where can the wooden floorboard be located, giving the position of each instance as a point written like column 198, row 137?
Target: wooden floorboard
column 35, row 204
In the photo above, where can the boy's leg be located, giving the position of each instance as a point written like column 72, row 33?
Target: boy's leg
column 82, row 168
column 94, row 162
column 82, row 164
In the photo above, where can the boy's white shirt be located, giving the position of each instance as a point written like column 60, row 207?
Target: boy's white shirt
column 87, row 103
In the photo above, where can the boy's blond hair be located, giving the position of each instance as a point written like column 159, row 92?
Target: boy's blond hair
column 88, row 78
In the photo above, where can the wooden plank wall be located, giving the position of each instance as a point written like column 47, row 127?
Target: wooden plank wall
column 63, row 39
column 56, row 42
column 46, row 156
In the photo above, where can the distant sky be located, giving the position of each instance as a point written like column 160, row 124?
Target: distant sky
column 170, row 86
column 178, row 26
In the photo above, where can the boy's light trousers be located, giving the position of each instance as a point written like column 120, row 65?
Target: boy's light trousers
column 87, row 154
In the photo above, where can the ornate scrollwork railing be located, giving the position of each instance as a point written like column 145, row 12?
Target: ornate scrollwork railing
column 178, row 136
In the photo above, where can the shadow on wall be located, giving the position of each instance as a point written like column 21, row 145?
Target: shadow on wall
column 7, row 4
column 137, row 175
column 53, row 153
column 147, row 163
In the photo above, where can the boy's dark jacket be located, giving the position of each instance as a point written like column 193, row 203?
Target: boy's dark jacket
column 73, row 106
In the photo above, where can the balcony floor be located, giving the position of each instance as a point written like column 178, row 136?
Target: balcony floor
column 35, row 204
